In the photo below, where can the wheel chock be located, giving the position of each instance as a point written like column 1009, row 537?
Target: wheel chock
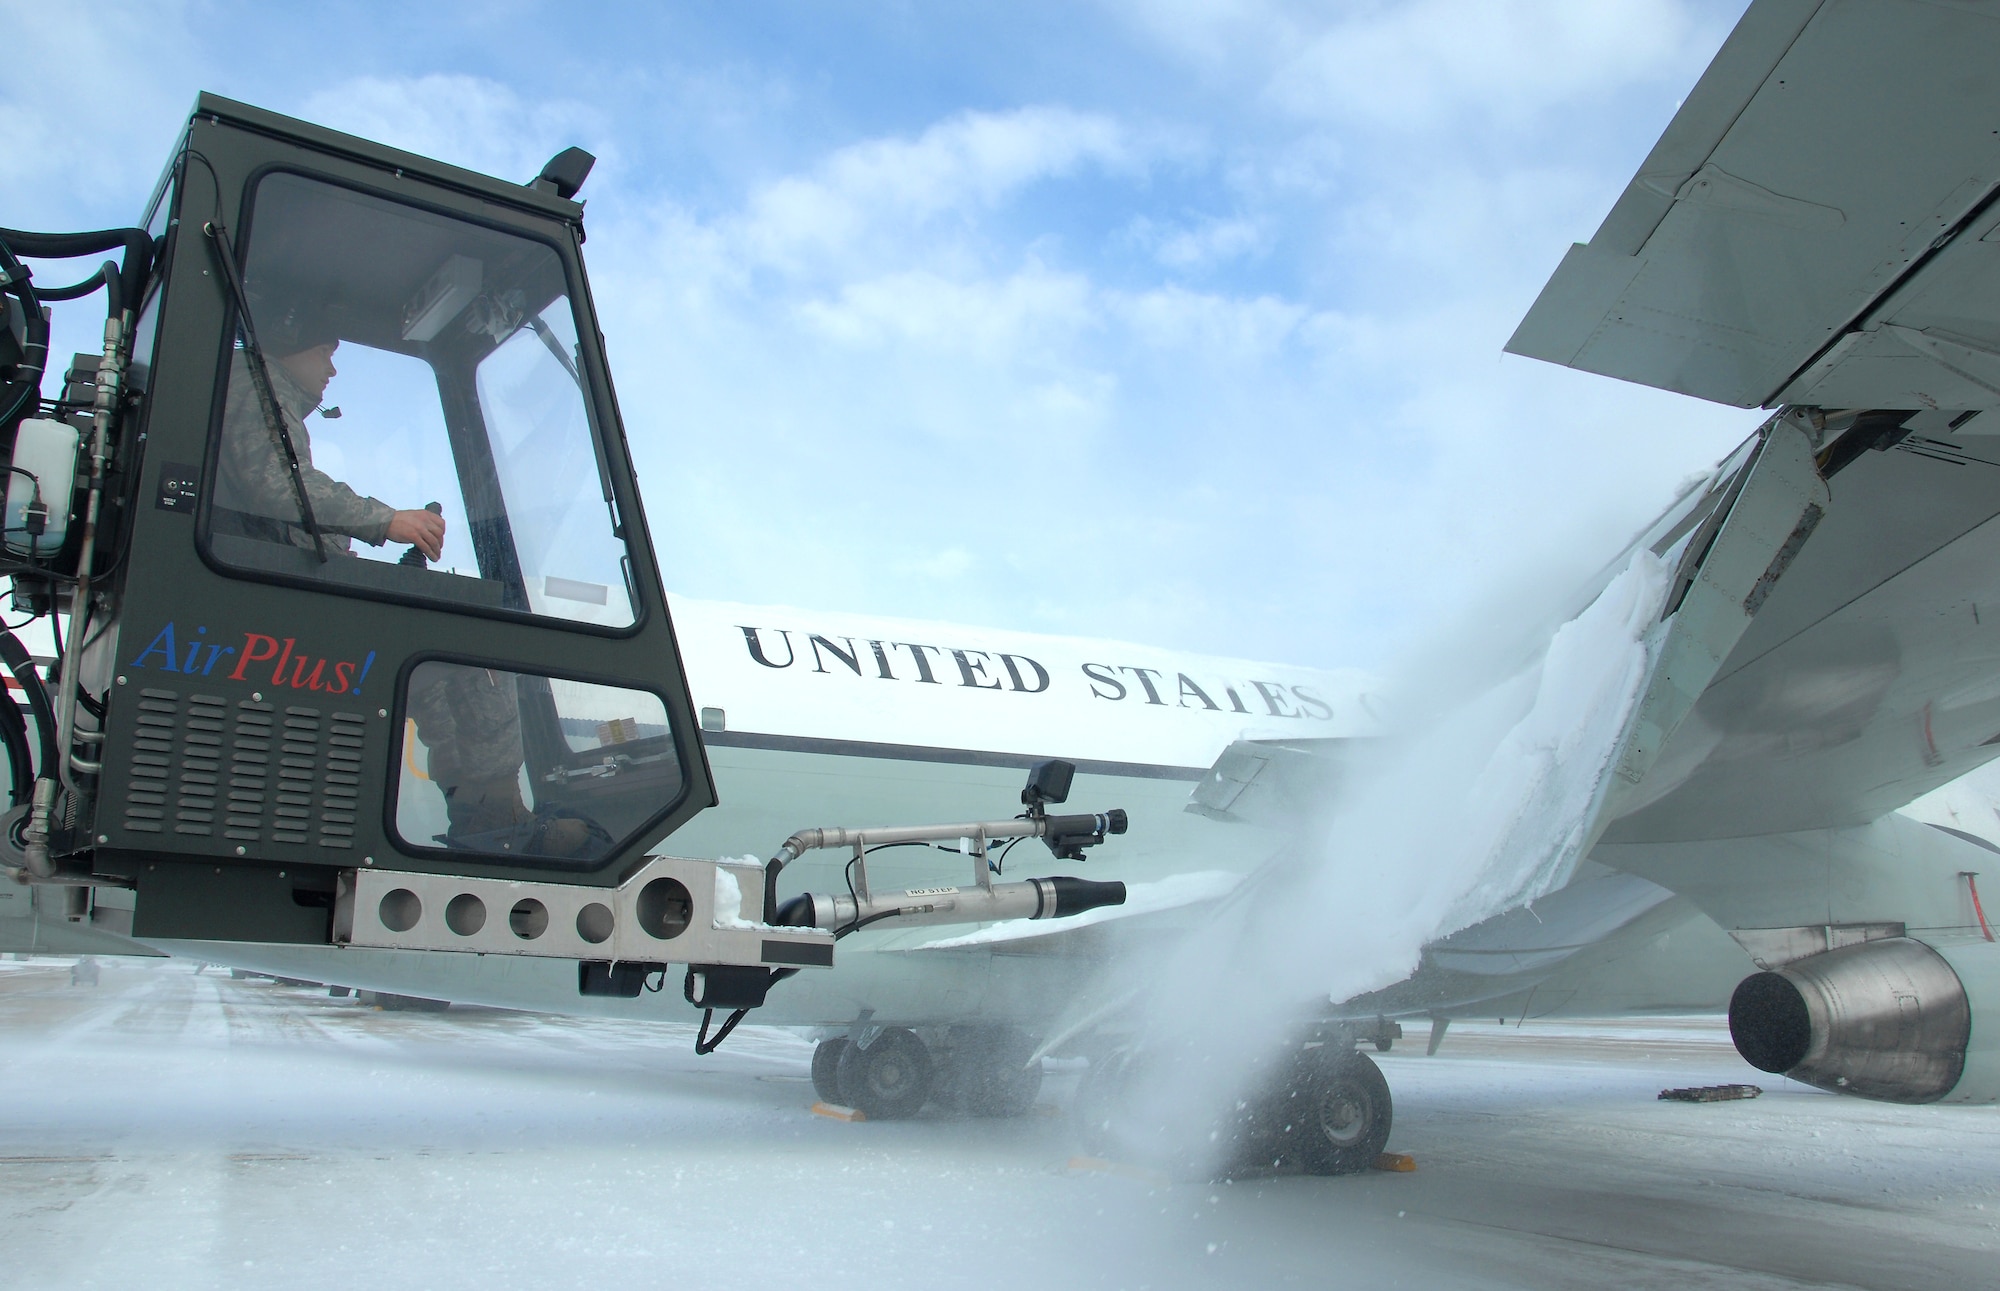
column 835, row 1112
column 1396, row 1162
column 1711, row 1093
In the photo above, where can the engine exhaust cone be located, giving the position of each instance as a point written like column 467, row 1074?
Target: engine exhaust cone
column 1770, row 1023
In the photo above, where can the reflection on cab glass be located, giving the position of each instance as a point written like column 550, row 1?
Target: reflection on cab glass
column 546, row 770
column 421, row 405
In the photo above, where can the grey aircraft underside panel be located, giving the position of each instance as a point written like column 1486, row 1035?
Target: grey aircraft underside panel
column 1890, row 870
column 1595, row 904
column 1671, row 958
column 1867, row 678
column 1777, row 245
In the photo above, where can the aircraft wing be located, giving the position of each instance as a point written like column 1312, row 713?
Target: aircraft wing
column 1816, row 231
column 1816, row 225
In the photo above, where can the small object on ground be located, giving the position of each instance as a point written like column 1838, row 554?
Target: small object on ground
column 389, row 1003
column 835, row 1112
column 1711, row 1093
column 1398, row 1162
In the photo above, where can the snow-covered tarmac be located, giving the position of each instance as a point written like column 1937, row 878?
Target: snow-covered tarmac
column 168, row 1130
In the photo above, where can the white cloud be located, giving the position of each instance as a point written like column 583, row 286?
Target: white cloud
column 948, row 564
column 867, row 193
column 93, row 97
column 470, row 121
column 1408, row 66
column 1200, row 243
column 1301, row 469
column 989, row 318
column 1411, row 65
column 1223, row 329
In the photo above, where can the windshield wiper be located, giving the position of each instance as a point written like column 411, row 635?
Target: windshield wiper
column 555, row 347
column 260, row 377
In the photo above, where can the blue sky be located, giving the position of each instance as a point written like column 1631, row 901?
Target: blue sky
column 1178, row 322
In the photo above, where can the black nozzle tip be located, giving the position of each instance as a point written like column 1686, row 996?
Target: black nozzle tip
column 1115, row 821
column 1074, row 896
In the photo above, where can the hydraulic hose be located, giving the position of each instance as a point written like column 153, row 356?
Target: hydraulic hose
column 35, row 344
column 138, row 245
column 110, row 397
column 19, row 662
column 20, row 758
column 107, row 275
column 125, row 284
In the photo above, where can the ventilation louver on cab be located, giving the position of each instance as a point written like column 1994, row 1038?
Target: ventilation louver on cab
column 259, row 774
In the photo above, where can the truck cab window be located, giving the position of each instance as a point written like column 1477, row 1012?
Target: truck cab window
column 543, row 770
column 423, row 373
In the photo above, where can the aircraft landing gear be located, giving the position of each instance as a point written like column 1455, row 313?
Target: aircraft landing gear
column 982, row 1071
column 1342, row 1111
column 1324, row 1109
column 826, row 1070
column 990, row 1071
column 888, row 1078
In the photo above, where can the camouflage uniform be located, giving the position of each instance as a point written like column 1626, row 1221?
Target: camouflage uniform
column 469, row 718
column 255, row 483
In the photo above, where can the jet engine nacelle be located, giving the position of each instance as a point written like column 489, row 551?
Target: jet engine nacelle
column 1896, row 1019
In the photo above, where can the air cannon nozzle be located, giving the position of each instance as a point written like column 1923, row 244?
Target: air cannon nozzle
column 1074, row 896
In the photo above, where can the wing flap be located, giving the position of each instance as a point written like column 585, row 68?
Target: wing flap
column 1776, row 507
column 1870, row 673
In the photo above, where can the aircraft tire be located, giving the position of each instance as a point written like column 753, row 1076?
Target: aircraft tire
column 999, row 1080
column 890, row 1080
column 826, row 1070
column 1120, row 1115
column 1347, row 1114
column 1098, row 1110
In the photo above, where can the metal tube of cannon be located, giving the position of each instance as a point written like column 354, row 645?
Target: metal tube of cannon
column 1048, row 898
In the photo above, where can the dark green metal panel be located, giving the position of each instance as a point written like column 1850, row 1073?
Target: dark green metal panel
column 205, row 901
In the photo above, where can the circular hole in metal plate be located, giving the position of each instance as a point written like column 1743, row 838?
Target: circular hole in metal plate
column 664, row 908
column 529, row 918
column 465, row 915
column 400, row 910
column 594, row 922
